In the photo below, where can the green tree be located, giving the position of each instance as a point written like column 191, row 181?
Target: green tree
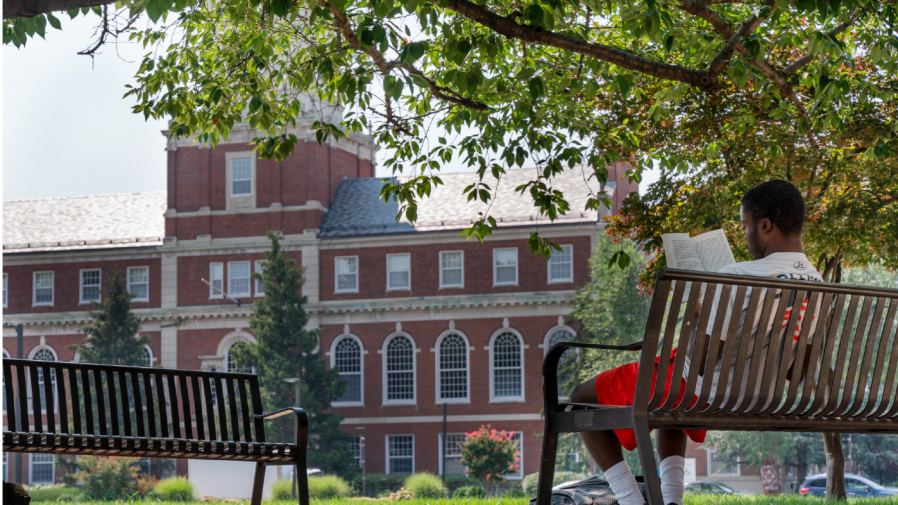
column 111, row 336
column 489, row 454
column 286, row 349
column 555, row 83
column 752, row 449
column 875, row 455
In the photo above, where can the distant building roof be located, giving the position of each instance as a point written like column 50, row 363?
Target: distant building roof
column 89, row 222
column 358, row 210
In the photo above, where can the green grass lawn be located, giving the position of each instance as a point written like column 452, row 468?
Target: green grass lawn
column 691, row 499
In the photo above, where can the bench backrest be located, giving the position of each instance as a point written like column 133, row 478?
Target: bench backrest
column 847, row 333
column 107, row 400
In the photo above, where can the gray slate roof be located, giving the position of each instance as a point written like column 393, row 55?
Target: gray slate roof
column 357, row 209
column 90, row 222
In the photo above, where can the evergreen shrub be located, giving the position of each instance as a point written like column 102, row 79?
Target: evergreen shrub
column 328, row 486
column 282, row 490
column 469, row 492
column 174, row 489
column 378, row 484
column 425, row 485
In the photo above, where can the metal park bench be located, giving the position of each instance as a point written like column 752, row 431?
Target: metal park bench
column 137, row 412
column 851, row 355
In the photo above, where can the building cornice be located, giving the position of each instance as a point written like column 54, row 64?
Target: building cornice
column 436, row 303
column 274, row 207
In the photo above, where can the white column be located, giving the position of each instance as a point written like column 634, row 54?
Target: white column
column 169, row 342
column 311, row 273
column 169, row 281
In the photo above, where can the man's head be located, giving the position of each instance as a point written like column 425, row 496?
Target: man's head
column 772, row 215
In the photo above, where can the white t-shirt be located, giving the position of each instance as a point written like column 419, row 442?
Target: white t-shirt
column 791, row 266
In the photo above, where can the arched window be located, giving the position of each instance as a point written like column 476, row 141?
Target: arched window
column 565, row 373
column 452, row 375
column 507, row 363
column 399, row 367
column 3, row 384
column 44, row 354
column 231, row 364
column 346, row 356
column 146, row 358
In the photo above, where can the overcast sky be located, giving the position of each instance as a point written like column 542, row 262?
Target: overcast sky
column 67, row 131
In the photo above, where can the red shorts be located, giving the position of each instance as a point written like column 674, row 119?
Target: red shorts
column 618, row 387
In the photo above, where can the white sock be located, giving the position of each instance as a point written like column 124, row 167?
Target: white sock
column 623, row 484
column 673, row 475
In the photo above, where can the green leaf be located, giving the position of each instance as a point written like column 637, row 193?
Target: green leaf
column 525, row 74
column 280, row 8
column 416, row 50
column 806, row 5
column 822, row 7
column 73, row 13
column 623, row 82
column 534, row 14
column 54, row 22
column 537, row 88
column 379, row 33
column 255, row 103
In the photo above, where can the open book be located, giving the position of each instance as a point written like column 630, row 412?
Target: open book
column 708, row 252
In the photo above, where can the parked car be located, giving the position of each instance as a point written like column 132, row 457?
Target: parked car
column 855, row 485
column 712, row 488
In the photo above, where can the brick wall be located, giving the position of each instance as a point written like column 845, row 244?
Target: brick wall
column 425, row 272
column 66, row 282
column 193, row 291
column 59, row 344
column 243, row 225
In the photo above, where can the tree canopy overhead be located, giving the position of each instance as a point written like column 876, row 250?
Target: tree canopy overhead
column 552, row 82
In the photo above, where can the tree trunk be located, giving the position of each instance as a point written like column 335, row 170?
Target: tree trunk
column 835, row 466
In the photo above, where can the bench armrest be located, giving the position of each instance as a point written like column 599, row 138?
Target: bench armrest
column 301, row 433
column 283, row 412
column 550, row 364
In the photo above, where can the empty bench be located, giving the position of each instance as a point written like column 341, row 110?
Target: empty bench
column 845, row 381
column 106, row 410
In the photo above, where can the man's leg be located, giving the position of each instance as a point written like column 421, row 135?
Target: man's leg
column 672, row 451
column 606, row 450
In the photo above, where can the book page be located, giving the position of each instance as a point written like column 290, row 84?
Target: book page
column 713, row 250
column 680, row 252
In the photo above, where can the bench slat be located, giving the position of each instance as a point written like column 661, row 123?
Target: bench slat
column 891, row 375
column 244, row 406
column 257, row 409
column 208, row 408
column 173, row 398
column 687, row 329
column 869, row 341
column 151, row 409
column 198, row 408
column 801, row 349
column 699, row 347
column 745, row 344
column 783, row 350
column 49, row 394
column 133, row 377
column 12, row 413
column 857, row 351
column 666, row 343
column 38, row 421
column 714, row 347
column 825, row 377
column 772, row 342
column 161, row 400
column 232, row 404
column 185, row 406
column 101, row 403
column 839, row 359
column 112, row 390
column 222, row 409
column 881, row 353
column 815, row 358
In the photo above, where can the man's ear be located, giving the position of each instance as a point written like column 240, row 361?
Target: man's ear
column 765, row 225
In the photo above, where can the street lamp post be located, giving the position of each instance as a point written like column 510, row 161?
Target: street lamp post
column 20, row 345
column 362, row 457
column 296, row 382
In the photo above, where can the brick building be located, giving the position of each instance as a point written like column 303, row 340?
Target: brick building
column 414, row 315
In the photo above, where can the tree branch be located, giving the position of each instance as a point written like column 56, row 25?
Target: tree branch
column 536, row 35
column 804, row 60
column 31, row 8
column 385, row 66
column 718, row 64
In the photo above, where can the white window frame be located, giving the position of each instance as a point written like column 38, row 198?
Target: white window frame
column 249, row 284
column 333, row 356
column 34, row 302
column 258, row 286
column 439, row 379
column 212, row 292
column 31, row 468
column 549, row 268
column 229, row 161
column 135, row 299
column 356, row 441
column 443, row 285
column 81, row 300
column 337, row 275
column 710, row 454
column 390, row 287
column 442, row 447
column 5, row 291
column 150, row 352
column 506, row 399
column 520, row 473
column 517, row 263
column 387, row 452
column 414, row 399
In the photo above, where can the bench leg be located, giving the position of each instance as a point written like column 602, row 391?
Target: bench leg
column 258, row 484
column 302, row 481
column 547, row 469
column 649, row 468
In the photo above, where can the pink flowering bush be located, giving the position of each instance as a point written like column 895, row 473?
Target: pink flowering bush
column 489, row 454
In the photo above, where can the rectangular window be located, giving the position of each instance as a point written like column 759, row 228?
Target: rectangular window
column 42, row 466
column 5, row 291
column 452, row 269
column 519, row 472
column 347, row 273
column 561, row 265
column 90, row 286
column 139, row 283
column 452, row 449
column 241, row 176
column 355, row 446
column 401, row 454
column 399, row 271
column 238, row 278
column 505, row 267
column 260, row 269
column 43, row 288
column 216, row 280
column 716, row 466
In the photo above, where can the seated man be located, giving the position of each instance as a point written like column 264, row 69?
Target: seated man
column 772, row 216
